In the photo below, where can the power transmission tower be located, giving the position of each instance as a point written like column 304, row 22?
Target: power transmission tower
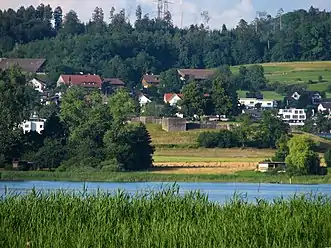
column 181, row 13
column 159, row 9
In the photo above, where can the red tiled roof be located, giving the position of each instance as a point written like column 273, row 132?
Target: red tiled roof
column 151, row 78
column 197, row 73
column 27, row 65
column 93, row 81
column 113, row 81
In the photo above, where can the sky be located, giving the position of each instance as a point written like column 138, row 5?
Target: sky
column 221, row 12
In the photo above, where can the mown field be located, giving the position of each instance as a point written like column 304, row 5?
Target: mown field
column 162, row 219
column 298, row 72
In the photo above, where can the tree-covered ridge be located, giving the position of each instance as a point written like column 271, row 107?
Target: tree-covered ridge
column 120, row 49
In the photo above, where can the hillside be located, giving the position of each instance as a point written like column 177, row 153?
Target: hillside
column 316, row 75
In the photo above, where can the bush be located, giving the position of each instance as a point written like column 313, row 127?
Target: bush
column 221, row 139
column 327, row 157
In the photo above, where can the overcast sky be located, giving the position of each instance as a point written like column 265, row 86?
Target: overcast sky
column 227, row 12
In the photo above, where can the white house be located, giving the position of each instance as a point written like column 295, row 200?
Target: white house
column 324, row 107
column 143, row 100
column 34, row 124
column 251, row 102
column 294, row 117
column 172, row 98
column 38, row 85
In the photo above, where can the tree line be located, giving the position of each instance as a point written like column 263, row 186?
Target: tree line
column 117, row 48
column 83, row 133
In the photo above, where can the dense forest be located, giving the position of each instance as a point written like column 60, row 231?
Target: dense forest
column 118, row 48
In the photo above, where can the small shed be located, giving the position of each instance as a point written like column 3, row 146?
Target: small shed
column 269, row 166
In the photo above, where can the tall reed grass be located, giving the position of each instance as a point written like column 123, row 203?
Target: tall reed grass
column 161, row 219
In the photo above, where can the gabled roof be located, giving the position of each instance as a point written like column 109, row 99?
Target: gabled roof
column 169, row 96
column 93, row 81
column 326, row 105
column 197, row 73
column 39, row 80
column 27, row 65
column 151, row 78
column 114, row 81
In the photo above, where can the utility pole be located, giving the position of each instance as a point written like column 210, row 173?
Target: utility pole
column 181, row 13
column 159, row 9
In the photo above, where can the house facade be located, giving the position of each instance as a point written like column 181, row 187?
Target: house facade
column 294, row 117
column 35, row 124
column 143, row 100
column 172, row 98
column 150, row 80
column 86, row 81
column 38, row 85
column 252, row 103
column 324, row 107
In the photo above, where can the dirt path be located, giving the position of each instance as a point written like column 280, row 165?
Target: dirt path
column 203, row 167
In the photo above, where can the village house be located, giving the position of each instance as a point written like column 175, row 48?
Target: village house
column 86, row 81
column 33, row 66
column 143, row 100
column 292, row 116
column 38, row 84
column 34, row 123
column 195, row 74
column 109, row 85
column 314, row 96
column 257, row 103
column 172, row 98
column 150, row 80
column 324, row 107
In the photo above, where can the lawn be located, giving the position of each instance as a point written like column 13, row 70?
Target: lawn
column 266, row 95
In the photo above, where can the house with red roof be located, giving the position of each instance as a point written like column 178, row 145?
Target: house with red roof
column 86, row 81
column 172, row 98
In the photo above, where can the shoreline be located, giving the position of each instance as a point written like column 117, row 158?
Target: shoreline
column 130, row 177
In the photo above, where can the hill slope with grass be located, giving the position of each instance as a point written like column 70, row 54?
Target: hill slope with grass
column 316, row 74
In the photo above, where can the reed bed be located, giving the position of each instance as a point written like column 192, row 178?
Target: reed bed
column 161, row 219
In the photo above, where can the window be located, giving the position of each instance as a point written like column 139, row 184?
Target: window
column 251, row 103
column 290, row 111
column 287, row 116
column 301, row 111
column 269, row 103
column 26, row 126
column 296, row 111
column 41, row 126
column 302, row 117
column 295, row 117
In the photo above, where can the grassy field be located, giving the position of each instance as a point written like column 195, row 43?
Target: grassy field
column 162, row 219
column 266, row 94
column 298, row 72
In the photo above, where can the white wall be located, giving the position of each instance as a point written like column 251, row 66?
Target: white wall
column 37, row 126
column 251, row 102
column 293, row 116
column 39, row 86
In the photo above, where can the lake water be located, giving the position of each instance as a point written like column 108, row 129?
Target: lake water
column 219, row 192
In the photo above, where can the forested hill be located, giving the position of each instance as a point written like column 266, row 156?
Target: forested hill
column 117, row 48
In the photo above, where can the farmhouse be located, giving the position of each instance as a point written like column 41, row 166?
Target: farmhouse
column 150, row 80
column 294, row 117
column 143, row 100
column 87, row 81
column 34, row 66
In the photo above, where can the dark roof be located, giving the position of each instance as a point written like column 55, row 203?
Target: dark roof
column 197, row 73
column 93, row 81
column 27, row 65
column 151, row 78
column 326, row 105
column 257, row 95
column 114, row 81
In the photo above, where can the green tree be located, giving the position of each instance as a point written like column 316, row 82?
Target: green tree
column 302, row 158
column 170, row 82
column 122, row 106
column 282, row 149
column 327, row 158
column 193, row 102
column 17, row 100
column 244, row 129
column 221, row 96
column 130, row 147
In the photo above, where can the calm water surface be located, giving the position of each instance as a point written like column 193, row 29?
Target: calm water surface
column 220, row 192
